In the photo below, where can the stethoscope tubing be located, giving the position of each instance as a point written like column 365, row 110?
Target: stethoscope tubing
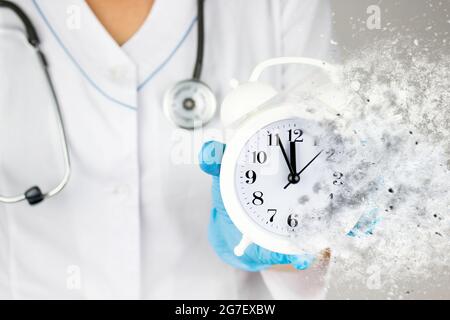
column 200, row 40
column 34, row 41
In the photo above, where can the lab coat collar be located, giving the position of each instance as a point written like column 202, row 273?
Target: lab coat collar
column 167, row 28
column 118, row 72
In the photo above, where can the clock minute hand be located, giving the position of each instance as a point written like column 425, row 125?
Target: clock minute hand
column 291, row 170
column 293, row 156
column 304, row 168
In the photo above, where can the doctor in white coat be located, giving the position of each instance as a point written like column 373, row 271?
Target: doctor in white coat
column 132, row 221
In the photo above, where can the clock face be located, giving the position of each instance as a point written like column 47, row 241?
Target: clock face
column 279, row 175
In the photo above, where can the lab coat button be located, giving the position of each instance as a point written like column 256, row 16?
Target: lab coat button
column 122, row 191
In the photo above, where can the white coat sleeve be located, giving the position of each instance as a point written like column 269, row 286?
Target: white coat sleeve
column 305, row 29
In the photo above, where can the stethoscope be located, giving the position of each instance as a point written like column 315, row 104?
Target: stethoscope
column 189, row 104
column 34, row 195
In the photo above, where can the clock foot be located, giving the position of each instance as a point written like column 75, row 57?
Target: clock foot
column 240, row 248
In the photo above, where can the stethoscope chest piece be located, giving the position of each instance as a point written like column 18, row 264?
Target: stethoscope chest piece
column 190, row 104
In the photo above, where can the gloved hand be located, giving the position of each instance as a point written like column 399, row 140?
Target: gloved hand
column 222, row 233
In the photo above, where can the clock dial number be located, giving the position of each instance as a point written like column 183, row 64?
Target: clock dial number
column 292, row 220
column 338, row 178
column 272, row 213
column 259, row 157
column 330, row 153
column 273, row 139
column 258, row 198
column 295, row 135
column 251, row 177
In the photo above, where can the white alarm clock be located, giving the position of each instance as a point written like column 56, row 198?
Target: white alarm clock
column 276, row 180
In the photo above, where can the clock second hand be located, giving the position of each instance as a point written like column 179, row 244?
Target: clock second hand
column 304, row 168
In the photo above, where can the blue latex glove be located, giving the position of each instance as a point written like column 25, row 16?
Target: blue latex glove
column 366, row 224
column 222, row 233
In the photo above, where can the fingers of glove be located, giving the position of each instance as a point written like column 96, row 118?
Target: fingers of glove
column 223, row 237
column 302, row 262
column 217, row 196
column 266, row 257
column 221, row 224
column 227, row 255
column 210, row 157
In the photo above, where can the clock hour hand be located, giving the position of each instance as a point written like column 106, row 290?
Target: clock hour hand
column 291, row 170
column 304, row 168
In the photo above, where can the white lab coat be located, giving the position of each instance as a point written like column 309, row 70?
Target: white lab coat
column 132, row 222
